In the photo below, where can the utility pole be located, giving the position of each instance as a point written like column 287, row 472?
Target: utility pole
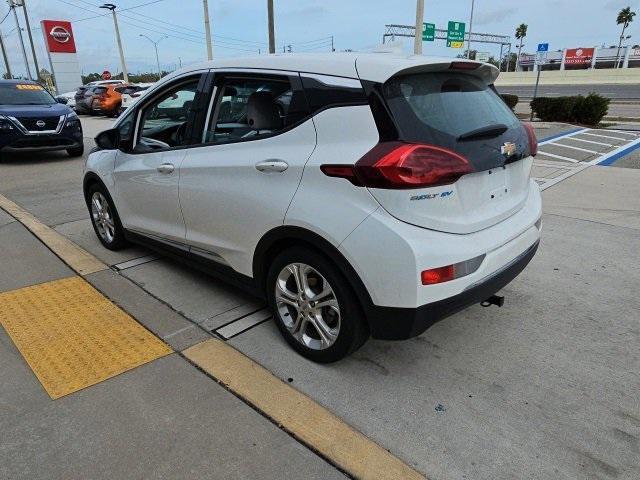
column 272, row 37
column 470, row 26
column 33, row 48
column 332, row 48
column 417, row 41
column 4, row 55
column 112, row 7
column 12, row 6
column 207, row 29
column 155, row 44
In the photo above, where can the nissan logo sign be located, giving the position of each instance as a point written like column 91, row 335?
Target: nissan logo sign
column 60, row 34
column 40, row 124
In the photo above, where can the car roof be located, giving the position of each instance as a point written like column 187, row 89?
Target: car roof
column 376, row 67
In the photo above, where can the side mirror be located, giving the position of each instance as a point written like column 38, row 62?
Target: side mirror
column 62, row 100
column 109, row 139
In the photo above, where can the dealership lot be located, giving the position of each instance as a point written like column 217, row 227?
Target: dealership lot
column 544, row 385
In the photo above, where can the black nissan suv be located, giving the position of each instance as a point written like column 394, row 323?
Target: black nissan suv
column 33, row 120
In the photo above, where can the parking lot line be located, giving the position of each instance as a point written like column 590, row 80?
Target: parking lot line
column 575, row 148
column 309, row 422
column 560, row 157
column 605, row 136
column 81, row 261
column 72, row 336
column 590, row 141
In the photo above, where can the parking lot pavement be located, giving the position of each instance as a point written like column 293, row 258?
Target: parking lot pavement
column 545, row 385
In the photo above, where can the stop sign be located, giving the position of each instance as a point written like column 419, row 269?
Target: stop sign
column 106, row 75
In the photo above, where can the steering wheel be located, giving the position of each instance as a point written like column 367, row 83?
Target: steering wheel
column 180, row 133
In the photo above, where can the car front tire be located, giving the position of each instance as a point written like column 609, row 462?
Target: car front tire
column 104, row 218
column 314, row 307
column 76, row 151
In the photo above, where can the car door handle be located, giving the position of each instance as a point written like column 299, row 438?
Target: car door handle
column 166, row 168
column 272, row 166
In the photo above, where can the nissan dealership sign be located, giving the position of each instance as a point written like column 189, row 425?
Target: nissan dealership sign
column 58, row 36
column 61, row 47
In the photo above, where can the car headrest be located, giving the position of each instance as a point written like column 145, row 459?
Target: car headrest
column 262, row 112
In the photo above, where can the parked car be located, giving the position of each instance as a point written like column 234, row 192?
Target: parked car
column 131, row 94
column 368, row 201
column 83, row 93
column 32, row 120
column 106, row 100
column 70, row 97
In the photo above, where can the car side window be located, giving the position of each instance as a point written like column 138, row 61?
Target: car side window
column 165, row 120
column 251, row 108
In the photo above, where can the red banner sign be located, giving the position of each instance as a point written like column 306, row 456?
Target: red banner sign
column 578, row 56
column 59, row 36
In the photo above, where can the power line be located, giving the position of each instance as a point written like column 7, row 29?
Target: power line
column 5, row 17
column 141, row 24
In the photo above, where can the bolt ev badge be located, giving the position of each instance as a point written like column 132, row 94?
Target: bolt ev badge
column 40, row 124
column 508, row 149
column 60, row 34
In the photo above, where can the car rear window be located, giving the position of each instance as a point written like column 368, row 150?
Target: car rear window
column 448, row 104
column 99, row 90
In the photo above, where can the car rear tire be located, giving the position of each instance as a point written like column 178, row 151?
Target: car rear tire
column 314, row 307
column 76, row 151
column 104, row 218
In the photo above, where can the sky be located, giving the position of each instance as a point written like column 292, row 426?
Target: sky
column 240, row 27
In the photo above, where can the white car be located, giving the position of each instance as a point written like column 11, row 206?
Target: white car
column 70, row 97
column 131, row 94
column 358, row 194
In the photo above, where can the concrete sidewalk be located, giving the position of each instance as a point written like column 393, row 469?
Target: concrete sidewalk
column 165, row 419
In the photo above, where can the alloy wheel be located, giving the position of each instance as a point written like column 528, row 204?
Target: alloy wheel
column 307, row 306
column 102, row 217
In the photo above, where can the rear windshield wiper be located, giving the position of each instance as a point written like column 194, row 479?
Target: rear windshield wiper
column 484, row 132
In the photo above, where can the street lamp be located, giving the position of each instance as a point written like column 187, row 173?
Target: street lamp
column 112, row 7
column 155, row 45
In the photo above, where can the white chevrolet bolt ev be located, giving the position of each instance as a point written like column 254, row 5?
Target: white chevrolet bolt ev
column 359, row 194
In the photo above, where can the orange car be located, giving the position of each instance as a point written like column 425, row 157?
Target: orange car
column 107, row 100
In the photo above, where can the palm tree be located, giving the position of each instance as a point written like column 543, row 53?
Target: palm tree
column 625, row 17
column 521, row 32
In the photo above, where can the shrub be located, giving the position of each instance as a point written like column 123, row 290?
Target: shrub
column 587, row 110
column 590, row 110
column 510, row 100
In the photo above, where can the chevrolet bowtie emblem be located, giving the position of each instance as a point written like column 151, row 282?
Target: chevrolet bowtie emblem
column 508, row 149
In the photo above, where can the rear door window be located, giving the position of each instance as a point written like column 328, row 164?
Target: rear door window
column 280, row 106
column 443, row 108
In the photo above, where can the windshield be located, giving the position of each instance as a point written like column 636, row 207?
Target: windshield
column 24, row 94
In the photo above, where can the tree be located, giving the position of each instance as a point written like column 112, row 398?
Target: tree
column 521, row 32
column 625, row 17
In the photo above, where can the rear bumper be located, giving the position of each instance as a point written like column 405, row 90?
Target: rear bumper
column 394, row 323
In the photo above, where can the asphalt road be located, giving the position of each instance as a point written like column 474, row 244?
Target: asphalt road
column 616, row 92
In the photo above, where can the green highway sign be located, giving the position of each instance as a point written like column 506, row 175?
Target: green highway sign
column 428, row 32
column 455, row 34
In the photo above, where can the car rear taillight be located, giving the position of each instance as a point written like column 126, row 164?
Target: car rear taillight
column 533, row 141
column 451, row 272
column 399, row 165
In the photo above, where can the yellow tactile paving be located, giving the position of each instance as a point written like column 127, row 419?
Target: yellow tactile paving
column 72, row 336
column 77, row 258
